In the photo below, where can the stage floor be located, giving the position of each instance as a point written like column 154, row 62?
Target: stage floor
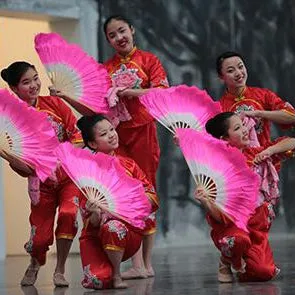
column 179, row 271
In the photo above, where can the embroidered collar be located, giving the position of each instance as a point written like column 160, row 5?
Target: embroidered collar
column 125, row 59
column 240, row 96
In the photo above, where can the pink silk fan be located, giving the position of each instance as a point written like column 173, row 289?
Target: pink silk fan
column 27, row 135
column 103, row 180
column 221, row 171
column 74, row 72
column 180, row 107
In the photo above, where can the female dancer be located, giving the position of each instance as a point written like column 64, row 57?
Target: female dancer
column 248, row 253
column 137, row 70
column 24, row 81
column 262, row 104
column 105, row 242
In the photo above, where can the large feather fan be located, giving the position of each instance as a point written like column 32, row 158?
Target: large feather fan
column 103, row 180
column 27, row 135
column 180, row 107
column 74, row 72
column 221, row 171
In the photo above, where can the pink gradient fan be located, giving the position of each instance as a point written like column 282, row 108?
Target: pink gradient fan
column 221, row 171
column 103, row 180
column 73, row 72
column 180, row 107
column 27, row 135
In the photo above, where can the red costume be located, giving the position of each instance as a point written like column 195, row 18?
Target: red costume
column 60, row 192
column 138, row 136
column 114, row 235
column 253, row 98
column 253, row 247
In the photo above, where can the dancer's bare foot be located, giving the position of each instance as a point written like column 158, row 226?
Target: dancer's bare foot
column 150, row 272
column 118, row 283
column 225, row 274
column 134, row 273
column 59, row 280
column 30, row 275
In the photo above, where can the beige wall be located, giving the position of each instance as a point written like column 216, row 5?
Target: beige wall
column 17, row 43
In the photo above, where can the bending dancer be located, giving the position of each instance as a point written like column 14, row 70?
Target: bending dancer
column 250, row 253
column 61, row 193
column 105, row 242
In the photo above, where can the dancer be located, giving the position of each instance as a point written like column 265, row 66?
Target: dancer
column 261, row 104
column 105, row 241
column 61, row 193
column 138, row 71
column 248, row 253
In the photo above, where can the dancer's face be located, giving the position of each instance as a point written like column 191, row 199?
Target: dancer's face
column 105, row 137
column 233, row 73
column 120, row 36
column 29, row 86
column 238, row 134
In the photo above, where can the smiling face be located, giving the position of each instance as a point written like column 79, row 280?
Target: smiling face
column 120, row 36
column 233, row 73
column 105, row 137
column 237, row 134
column 29, row 86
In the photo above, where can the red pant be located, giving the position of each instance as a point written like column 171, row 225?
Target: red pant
column 114, row 235
column 64, row 195
column 141, row 145
column 253, row 247
column 259, row 259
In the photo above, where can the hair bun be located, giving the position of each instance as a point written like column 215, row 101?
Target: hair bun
column 4, row 75
column 82, row 122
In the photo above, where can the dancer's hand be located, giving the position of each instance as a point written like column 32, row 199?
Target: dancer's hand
column 97, row 218
column 252, row 114
column 55, row 92
column 176, row 140
column 267, row 153
column 200, row 195
column 17, row 165
column 92, row 207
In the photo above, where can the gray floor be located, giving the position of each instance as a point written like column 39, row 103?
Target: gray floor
column 190, row 270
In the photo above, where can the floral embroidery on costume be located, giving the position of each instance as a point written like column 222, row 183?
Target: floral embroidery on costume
column 117, row 227
column 90, row 280
column 152, row 216
column 29, row 244
column 226, row 244
column 58, row 128
column 125, row 77
column 150, row 190
column 271, row 213
column 76, row 201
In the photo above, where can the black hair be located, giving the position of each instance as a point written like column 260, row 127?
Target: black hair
column 12, row 75
column 220, row 59
column 116, row 17
column 218, row 125
column 86, row 124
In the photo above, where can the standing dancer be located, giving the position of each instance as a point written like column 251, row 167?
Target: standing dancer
column 104, row 244
column 61, row 193
column 261, row 104
column 138, row 71
column 250, row 253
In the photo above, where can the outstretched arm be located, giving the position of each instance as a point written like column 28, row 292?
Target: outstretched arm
column 282, row 146
column 83, row 110
column 279, row 116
